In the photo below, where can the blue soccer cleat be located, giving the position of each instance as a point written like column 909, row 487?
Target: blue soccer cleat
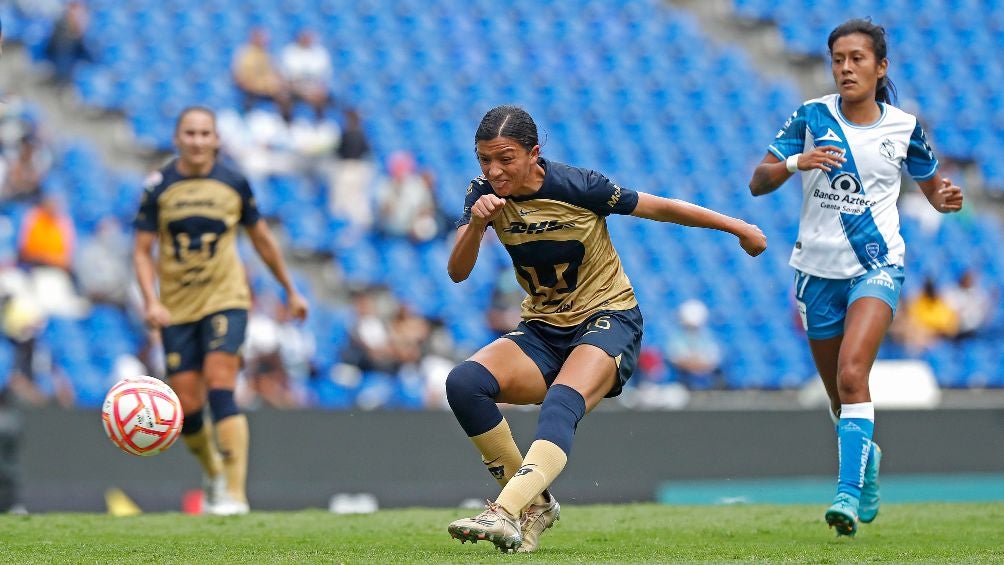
column 843, row 515
column 868, row 506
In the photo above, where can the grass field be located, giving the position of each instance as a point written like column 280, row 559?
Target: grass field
column 643, row 533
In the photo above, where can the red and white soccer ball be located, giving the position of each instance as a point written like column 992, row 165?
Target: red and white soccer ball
column 142, row 415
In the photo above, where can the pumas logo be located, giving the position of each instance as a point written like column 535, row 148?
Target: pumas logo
column 882, row 278
column 538, row 227
column 846, row 182
column 497, row 472
column 528, row 468
column 830, row 135
column 523, row 213
column 888, row 149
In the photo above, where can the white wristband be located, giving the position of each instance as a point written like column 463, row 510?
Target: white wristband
column 791, row 163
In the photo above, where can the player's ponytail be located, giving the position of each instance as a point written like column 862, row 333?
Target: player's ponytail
column 885, row 91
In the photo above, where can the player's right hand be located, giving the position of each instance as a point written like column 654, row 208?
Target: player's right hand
column 752, row 240
column 486, row 209
column 825, row 158
column 157, row 315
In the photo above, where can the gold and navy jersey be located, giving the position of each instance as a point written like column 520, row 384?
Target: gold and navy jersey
column 559, row 243
column 196, row 218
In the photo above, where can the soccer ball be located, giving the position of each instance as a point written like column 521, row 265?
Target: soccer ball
column 142, row 415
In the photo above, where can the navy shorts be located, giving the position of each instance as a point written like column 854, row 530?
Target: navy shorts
column 186, row 345
column 617, row 332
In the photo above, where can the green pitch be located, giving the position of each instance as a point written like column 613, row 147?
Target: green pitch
column 643, row 533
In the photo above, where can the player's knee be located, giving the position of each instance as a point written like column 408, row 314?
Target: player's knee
column 470, row 380
column 191, row 401
column 222, row 404
column 560, row 413
column 852, row 381
column 471, row 390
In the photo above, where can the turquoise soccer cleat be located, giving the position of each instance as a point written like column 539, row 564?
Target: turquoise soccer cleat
column 868, row 507
column 843, row 515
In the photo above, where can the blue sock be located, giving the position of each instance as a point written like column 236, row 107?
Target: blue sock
column 854, row 440
column 471, row 390
column 560, row 413
column 221, row 404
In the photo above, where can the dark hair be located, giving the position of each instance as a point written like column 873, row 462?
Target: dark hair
column 190, row 109
column 885, row 91
column 508, row 121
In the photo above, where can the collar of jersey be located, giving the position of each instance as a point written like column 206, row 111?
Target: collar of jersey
column 847, row 122
column 543, row 164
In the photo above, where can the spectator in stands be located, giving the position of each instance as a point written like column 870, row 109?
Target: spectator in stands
column 257, row 77
column 306, row 66
column 933, row 313
column 370, row 347
column 972, row 304
column 263, row 368
column 693, row 351
column 47, row 235
column 406, row 202
column 67, row 44
column 103, row 269
column 506, row 307
column 26, row 172
column 349, row 184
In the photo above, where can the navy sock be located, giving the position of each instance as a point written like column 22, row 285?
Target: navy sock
column 192, row 424
column 221, row 404
column 560, row 413
column 471, row 390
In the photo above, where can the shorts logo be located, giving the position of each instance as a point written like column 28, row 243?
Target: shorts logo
column 173, row 360
column 220, row 324
column 846, row 182
column 873, row 250
column 883, row 279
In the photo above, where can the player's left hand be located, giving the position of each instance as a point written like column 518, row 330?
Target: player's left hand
column 753, row 240
column 948, row 197
column 298, row 306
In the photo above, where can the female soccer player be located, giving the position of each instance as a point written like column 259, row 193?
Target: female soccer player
column 579, row 338
column 192, row 208
column 851, row 147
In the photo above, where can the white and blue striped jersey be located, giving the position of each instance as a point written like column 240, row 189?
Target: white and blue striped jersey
column 849, row 222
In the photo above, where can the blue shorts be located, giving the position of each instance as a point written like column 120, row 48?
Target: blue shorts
column 186, row 345
column 823, row 303
column 617, row 332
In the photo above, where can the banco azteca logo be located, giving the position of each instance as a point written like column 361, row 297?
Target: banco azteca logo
column 846, row 182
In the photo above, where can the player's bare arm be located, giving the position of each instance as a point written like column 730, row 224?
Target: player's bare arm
column 772, row 172
column 945, row 196
column 267, row 248
column 146, row 272
column 652, row 207
column 465, row 250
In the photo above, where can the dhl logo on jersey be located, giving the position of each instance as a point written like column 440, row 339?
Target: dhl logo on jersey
column 538, row 227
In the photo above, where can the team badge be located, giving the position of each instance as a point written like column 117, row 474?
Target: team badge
column 872, row 249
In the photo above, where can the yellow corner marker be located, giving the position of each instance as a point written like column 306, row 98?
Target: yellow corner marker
column 119, row 504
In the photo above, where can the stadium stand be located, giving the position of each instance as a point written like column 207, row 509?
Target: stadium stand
column 635, row 90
